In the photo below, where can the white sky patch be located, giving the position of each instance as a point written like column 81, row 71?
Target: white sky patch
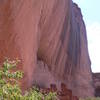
column 93, row 33
column 92, row 20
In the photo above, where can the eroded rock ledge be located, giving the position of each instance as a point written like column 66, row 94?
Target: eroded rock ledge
column 96, row 79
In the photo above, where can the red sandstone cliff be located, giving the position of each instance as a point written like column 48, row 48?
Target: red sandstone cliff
column 49, row 37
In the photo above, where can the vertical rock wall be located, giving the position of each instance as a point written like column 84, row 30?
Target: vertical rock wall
column 49, row 38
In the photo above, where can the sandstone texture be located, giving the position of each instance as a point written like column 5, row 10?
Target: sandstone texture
column 49, row 37
column 96, row 79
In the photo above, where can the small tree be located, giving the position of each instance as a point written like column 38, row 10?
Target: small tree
column 10, row 89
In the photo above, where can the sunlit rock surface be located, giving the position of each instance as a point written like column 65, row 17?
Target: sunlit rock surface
column 49, row 37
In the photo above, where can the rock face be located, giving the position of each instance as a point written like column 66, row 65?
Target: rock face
column 49, row 37
column 96, row 79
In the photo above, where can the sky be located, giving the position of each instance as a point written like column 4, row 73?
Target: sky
column 91, row 15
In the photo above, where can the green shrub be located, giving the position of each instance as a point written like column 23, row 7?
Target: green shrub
column 51, row 96
column 9, row 88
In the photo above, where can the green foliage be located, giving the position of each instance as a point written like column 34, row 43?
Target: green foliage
column 51, row 96
column 9, row 88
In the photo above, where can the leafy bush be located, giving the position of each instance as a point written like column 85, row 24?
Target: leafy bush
column 50, row 96
column 9, row 88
